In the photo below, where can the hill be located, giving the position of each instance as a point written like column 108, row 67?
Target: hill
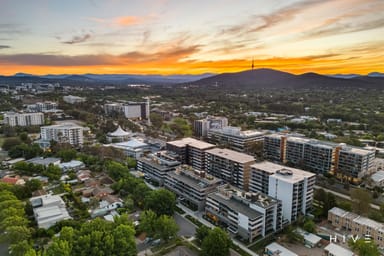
column 269, row 78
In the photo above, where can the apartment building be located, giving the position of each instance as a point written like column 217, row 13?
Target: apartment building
column 354, row 162
column 236, row 139
column 63, row 133
column 192, row 186
column 23, row 119
column 357, row 225
column 73, row 99
column 249, row 215
column 319, row 156
column 202, row 126
column 230, row 166
column 292, row 186
column 156, row 166
column 190, row 151
column 46, row 106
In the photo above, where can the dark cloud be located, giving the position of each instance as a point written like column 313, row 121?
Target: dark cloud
column 4, row 47
column 173, row 54
column 78, row 39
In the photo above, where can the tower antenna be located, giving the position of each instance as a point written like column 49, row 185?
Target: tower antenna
column 253, row 63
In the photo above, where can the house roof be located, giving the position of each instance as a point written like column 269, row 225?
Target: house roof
column 337, row 250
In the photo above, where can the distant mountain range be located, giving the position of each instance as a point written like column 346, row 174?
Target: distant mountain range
column 269, row 78
column 249, row 79
column 119, row 78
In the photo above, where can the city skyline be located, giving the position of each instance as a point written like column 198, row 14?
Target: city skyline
column 174, row 37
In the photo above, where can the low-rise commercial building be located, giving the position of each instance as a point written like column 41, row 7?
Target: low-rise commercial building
column 73, row 99
column 48, row 210
column 156, row 166
column 249, row 215
column 230, row 166
column 132, row 148
column 192, row 186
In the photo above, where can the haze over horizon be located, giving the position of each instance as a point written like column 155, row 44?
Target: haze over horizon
column 173, row 37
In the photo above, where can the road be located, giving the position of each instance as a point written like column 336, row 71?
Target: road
column 374, row 206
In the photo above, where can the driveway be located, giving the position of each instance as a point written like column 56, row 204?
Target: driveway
column 186, row 228
column 4, row 249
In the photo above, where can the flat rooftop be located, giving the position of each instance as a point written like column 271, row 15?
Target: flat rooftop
column 63, row 126
column 368, row 222
column 280, row 250
column 378, row 176
column 236, row 205
column 191, row 142
column 282, row 172
column 194, row 180
column 337, row 250
column 231, row 155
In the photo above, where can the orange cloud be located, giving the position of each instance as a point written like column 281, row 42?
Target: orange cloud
column 127, row 20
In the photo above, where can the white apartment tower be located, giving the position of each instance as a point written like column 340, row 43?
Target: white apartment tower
column 23, row 119
column 64, row 133
column 294, row 187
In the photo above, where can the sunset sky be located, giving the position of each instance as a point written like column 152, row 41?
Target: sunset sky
column 190, row 36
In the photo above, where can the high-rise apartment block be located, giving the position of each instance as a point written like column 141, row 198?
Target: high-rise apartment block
column 23, row 119
column 292, row 186
column 63, row 133
column 202, row 126
column 190, row 151
column 192, row 186
column 235, row 139
column 230, row 166
column 319, row 156
column 249, row 215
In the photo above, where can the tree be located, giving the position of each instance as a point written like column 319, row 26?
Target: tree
column 309, row 226
column 156, row 120
column 201, row 233
column 20, row 248
column 33, row 185
column 10, row 143
column 59, row 247
column 217, row 242
column 148, row 222
column 364, row 247
column 123, row 240
column 361, row 200
column 131, row 162
column 24, row 138
column 67, row 154
column 162, row 202
column 166, row 227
